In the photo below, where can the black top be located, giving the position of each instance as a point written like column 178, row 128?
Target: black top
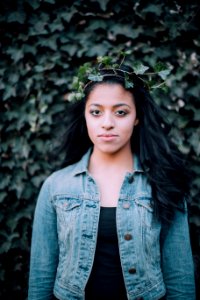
column 106, row 279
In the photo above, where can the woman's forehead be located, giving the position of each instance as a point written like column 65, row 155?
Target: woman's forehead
column 106, row 92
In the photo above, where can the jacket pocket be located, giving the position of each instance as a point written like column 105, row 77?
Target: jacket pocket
column 146, row 202
column 67, row 209
column 145, row 210
column 66, row 203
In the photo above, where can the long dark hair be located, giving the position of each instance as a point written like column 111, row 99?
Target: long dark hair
column 162, row 162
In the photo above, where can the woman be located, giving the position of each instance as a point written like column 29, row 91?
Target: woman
column 112, row 224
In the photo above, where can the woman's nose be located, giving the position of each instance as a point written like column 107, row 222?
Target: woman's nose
column 108, row 121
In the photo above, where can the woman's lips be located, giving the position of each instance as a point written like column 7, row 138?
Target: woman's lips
column 107, row 137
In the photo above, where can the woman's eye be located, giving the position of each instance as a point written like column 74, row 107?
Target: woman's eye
column 95, row 112
column 121, row 113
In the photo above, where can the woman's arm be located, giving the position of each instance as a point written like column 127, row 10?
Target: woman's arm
column 177, row 261
column 44, row 248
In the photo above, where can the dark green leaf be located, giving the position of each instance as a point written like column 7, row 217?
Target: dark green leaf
column 2, row 196
column 50, row 1
column 155, row 9
column 35, row 4
column 164, row 73
column 139, row 68
column 103, row 3
column 17, row 16
column 95, row 77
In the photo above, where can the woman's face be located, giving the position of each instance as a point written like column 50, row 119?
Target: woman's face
column 110, row 115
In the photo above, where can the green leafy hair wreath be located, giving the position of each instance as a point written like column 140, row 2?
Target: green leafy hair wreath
column 92, row 72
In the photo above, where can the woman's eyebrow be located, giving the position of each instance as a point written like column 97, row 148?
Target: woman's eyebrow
column 121, row 104
column 116, row 105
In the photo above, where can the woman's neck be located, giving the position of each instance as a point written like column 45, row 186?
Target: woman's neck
column 105, row 162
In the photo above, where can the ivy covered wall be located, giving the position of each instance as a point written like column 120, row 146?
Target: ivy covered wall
column 42, row 44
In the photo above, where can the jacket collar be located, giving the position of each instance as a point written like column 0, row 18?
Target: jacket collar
column 137, row 164
column 82, row 165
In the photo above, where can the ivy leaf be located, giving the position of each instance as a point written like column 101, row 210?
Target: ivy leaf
column 69, row 48
column 18, row 17
column 95, row 77
column 48, row 42
column 159, row 66
column 197, row 115
column 68, row 14
column 35, row 4
column 126, row 30
column 5, row 181
column 56, row 25
column 194, row 91
column 163, row 74
column 50, row 1
column 128, row 84
column 83, row 70
column 195, row 141
column 7, row 245
column 125, row 53
column 139, row 68
column 16, row 54
column 102, row 3
column 2, row 196
column 9, row 92
column 97, row 49
column 154, row 9
column 105, row 60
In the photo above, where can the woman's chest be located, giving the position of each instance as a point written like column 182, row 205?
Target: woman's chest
column 109, row 189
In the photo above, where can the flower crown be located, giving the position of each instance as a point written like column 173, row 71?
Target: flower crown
column 106, row 66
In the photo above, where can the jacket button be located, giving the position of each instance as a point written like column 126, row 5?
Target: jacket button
column 132, row 271
column 126, row 205
column 128, row 237
column 131, row 179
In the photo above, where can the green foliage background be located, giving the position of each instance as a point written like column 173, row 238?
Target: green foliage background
column 42, row 44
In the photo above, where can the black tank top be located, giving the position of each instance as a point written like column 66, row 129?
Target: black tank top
column 106, row 279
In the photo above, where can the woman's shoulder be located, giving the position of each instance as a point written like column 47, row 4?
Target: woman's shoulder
column 66, row 172
column 67, row 179
column 63, row 181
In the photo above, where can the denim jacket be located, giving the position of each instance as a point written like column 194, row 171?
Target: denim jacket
column 154, row 262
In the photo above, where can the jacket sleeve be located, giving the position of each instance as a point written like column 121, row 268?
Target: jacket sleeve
column 177, row 261
column 44, row 248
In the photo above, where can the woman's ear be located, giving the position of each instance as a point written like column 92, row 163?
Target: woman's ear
column 136, row 122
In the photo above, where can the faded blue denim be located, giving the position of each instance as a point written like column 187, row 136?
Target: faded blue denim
column 65, row 234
